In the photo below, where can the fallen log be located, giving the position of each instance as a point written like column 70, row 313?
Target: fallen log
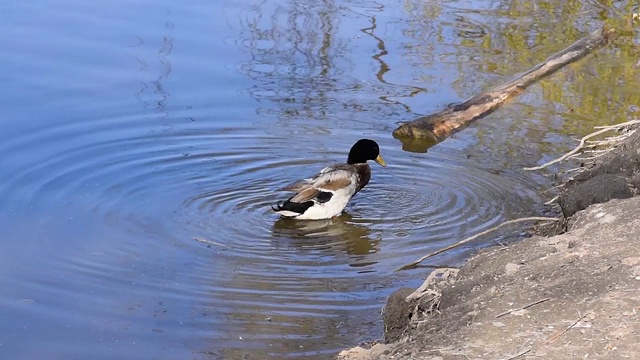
column 427, row 130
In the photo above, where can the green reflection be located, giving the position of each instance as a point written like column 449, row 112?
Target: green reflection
column 600, row 89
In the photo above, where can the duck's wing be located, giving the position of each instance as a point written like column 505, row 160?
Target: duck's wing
column 305, row 195
column 328, row 182
column 301, row 185
column 297, row 186
column 337, row 183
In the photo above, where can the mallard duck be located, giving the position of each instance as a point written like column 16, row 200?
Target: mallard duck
column 326, row 194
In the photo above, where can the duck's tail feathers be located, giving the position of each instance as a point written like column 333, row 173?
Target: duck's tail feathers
column 291, row 209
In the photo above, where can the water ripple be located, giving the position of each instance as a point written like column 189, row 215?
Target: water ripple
column 161, row 189
column 133, row 155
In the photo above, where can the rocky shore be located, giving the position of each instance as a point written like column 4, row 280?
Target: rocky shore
column 572, row 295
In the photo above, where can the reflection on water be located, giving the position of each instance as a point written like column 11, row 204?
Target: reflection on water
column 152, row 93
column 417, row 145
column 343, row 234
column 133, row 128
column 293, row 53
column 304, row 67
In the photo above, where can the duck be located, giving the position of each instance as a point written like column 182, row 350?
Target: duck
column 325, row 195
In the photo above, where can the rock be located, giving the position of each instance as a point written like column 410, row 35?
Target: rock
column 511, row 269
column 397, row 314
column 599, row 189
column 616, row 175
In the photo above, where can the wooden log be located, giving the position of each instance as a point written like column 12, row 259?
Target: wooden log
column 438, row 126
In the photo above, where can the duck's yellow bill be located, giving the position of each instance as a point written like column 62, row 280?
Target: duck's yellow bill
column 380, row 160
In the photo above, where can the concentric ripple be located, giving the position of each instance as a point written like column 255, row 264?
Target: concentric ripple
column 185, row 212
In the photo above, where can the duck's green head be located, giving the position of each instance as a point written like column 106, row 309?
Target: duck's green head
column 364, row 150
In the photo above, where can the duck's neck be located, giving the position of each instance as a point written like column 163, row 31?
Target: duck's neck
column 364, row 175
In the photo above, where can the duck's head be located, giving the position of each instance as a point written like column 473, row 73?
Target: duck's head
column 364, row 150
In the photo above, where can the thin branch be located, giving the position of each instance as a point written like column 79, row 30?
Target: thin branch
column 430, row 281
column 522, row 308
column 573, row 170
column 567, row 329
column 471, row 238
column 617, row 126
column 209, row 242
column 602, row 130
column 519, row 354
column 552, row 200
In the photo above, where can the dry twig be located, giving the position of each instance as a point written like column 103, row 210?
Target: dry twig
column 431, row 281
column 471, row 238
column 209, row 242
column 567, row 329
column 519, row 354
column 583, row 141
column 522, row 308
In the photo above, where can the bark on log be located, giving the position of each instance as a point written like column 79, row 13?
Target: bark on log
column 438, row 126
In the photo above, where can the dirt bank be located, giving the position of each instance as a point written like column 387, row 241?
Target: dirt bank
column 572, row 295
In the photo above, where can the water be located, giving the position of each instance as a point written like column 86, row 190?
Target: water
column 134, row 133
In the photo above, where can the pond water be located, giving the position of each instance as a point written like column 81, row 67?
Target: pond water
column 129, row 130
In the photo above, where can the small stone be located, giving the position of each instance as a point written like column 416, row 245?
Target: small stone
column 511, row 269
column 498, row 324
column 631, row 261
column 607, row 219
